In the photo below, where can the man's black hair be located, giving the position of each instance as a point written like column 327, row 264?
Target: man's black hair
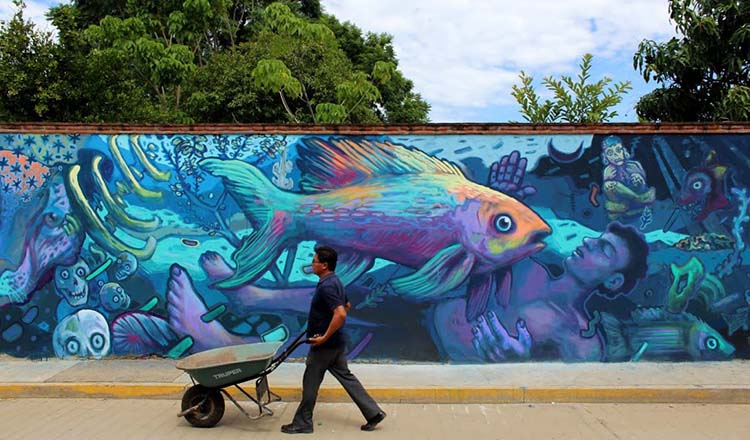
column 637, row 266
column 327, row 255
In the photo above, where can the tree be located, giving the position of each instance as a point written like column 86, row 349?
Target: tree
column 399, row 102
column 185, row 61
column 31, row 89
column 311, row 49
column 574, row 102
column 704, row 72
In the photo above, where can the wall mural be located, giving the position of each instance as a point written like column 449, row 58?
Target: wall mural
column 454, row 248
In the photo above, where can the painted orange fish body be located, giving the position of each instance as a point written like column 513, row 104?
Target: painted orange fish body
column 372, row 199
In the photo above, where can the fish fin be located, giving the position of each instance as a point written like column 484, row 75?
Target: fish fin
column 718, row 171
column 254, row 193
column 351, row 265
column 710, row 157
column 480, row 289
column 616, row 344
column 441, row 273
column 335, row 163
column 255, row 255
column 656, row 314
column 504, row 282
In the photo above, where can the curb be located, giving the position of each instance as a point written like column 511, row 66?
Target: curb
column 689, row 394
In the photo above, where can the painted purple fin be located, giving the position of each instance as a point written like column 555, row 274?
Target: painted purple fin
column 335, row 163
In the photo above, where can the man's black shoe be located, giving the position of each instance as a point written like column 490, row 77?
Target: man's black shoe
column 373, row 422
column 291, row 429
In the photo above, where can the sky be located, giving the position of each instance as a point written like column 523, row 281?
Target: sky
column 464, row 56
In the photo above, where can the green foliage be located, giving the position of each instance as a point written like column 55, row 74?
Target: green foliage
column 30, row 89
column 274, row 76
column 328, row 113
column 399, row 102
column 574, row 101
column 184, row 61
column 296, row 45
column 704, row 72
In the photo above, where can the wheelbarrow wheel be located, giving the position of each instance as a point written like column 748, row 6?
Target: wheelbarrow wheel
column 208, row 413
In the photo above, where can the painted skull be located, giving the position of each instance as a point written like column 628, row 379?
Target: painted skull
column 70, row 283
column 84, row 333
column 125, row 265
column 114, row 297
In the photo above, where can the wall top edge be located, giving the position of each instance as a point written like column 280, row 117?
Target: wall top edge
column 426, row 129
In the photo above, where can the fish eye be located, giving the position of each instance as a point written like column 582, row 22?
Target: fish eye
column 712, row 343
column 698, row 185
column 503, row 223
column 97, row 341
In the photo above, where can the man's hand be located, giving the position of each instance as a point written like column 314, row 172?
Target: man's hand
column 317, row 340
column 506, row 176
column 494, row 344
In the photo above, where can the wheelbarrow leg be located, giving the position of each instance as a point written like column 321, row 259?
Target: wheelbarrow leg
column 229, row 396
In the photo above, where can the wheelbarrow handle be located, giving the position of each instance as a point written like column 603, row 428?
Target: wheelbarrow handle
column 299, row 340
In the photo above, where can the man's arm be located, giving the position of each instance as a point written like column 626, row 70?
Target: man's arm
column 339, row 316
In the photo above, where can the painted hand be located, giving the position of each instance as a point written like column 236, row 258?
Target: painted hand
column 506, row 176
column 494, row 344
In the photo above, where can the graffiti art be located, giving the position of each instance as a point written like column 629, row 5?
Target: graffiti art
column 463, row 248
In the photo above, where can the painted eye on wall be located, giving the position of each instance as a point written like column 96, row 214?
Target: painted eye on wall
column 97, row 341
column 52, row 220
column 80, row 272
column 698, row 185
column 712, row 343
column 72, row 346
column 503, row 223
column 64, row 274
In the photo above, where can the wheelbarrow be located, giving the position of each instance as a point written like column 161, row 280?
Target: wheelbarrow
column 214, row 370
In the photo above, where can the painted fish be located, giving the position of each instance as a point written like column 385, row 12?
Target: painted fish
column 378, row 199
column 704, row 188
column 663, row 335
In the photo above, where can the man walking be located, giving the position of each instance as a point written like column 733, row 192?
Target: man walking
column 325, row 331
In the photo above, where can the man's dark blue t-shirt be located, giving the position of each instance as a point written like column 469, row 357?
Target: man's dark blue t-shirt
column 329, row 294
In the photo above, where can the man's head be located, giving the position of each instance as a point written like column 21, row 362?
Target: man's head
column 613, row 152
column 324, row 260
column 613, row 262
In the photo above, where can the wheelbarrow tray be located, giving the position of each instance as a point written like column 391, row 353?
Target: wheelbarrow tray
column 226, row 366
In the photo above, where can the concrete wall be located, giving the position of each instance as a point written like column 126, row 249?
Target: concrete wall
column 478, row 244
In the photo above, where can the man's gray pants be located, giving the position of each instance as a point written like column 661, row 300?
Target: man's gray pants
column 334, row 360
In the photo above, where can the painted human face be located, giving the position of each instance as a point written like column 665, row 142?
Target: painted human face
column 599, row 261
column 615, row 154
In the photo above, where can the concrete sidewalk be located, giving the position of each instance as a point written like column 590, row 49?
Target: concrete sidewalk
column 706, row 382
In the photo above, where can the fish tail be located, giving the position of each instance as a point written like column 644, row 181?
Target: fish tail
column 266, row 208
column 253, row 191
